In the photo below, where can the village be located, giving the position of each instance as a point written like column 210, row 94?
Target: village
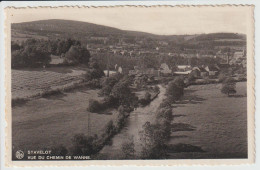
column 235, row 65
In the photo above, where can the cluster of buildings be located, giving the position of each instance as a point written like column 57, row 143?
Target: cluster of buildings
column 209, row 71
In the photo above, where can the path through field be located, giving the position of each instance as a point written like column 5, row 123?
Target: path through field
column 134, row 125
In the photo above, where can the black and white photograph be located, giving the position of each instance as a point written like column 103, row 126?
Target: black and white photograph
column 130, row 83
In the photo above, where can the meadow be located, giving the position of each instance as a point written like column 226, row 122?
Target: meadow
column 213, row 121
column 48, row 122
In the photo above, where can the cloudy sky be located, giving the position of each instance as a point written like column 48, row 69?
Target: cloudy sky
column 156, row 20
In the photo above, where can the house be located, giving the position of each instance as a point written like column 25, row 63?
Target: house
column 203, row 72
column 182, row 72
column 183, row 68
column 212, row 70
column 108, row 73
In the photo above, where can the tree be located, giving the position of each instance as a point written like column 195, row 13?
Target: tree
column 153, row 141
column 175, row 89
column 30, row 56
column 228, row 86
column 108, row 84
column 94, row 71
column 122, row 92
column 77, row 55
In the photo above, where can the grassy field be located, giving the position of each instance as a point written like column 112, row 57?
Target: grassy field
column 30, row 82
column 47, row 122
column 211, row 120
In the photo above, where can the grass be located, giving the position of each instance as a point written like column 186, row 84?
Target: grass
column 217, row 123
column 46, row 122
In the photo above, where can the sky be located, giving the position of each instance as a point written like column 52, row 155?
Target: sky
column 156, row 20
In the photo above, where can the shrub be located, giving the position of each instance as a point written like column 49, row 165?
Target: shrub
column 128, row 148
column 120, row 122
column 110, row 128
column 94, row 106
column 156, row 89
column 147, row 96
column 228, row 86
column 94, row 83
column 165, row 103
column 83, row 145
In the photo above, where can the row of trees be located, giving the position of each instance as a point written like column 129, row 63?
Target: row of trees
column 154, row 136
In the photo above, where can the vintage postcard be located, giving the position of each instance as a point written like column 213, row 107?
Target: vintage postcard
column 130, row 85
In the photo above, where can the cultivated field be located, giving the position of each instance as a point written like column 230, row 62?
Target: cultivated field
column 28, row 83
column 46, row 122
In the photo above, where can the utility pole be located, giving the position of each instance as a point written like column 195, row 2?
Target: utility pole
column 108, row 66
column 89, row 126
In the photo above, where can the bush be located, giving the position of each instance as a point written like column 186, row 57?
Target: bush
column 83, row 145
column 228, row 86
column 128, row 148
column 166, row 103
column 147, row 96
column 94, row 106
column 110, row 128
column 156, row 89
column 94, row 83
